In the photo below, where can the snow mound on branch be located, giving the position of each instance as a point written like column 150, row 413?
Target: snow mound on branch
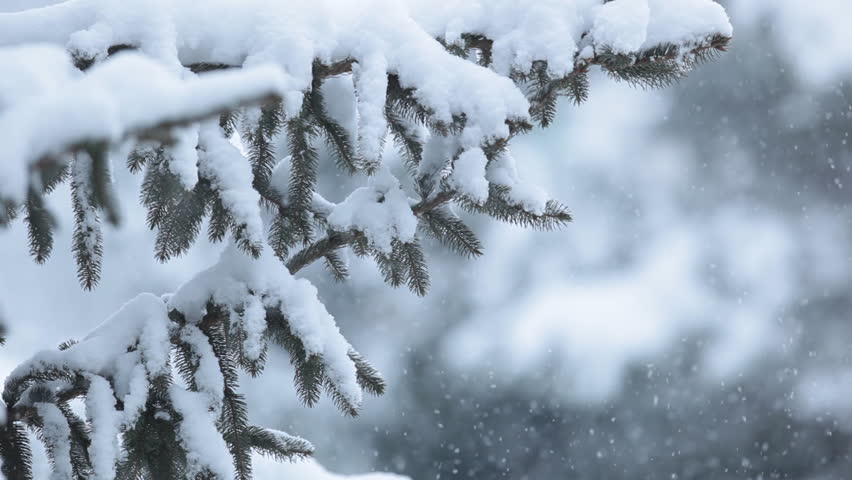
column 382, row 36
column 143, row 320
column 468, row 175
column 57, row 434
column 30, row 77
column 622, row 25
column 230, row 173
column 502, row 171
column 208, row 377
column 382, row 211
column 289, row 34
column 628, row 26
column 552, row 30
column 105, row 421
column 236, row 281
column 205, row 447
column 685, row 22
column 61, row 108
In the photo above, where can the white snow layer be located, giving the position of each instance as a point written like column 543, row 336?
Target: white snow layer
column 105, row 422
column 205, row 447
column 502, row 171
column 57, row 436
column 468, row 175
column 381, row 210
column 383, row 36
column 120, row 356
column 230, row 173
column 61, row 107
column 184, row 158
column 208, row 376
column 237, row 282
column 622, row 25
column 143, row 320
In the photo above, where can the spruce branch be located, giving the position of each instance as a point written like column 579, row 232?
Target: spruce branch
column 278, row 445
column 445, row 226
column 319, row 249
column 15, row 452
column 303, row 170
column 369, row 378
column 40, row 224
column 499, row 206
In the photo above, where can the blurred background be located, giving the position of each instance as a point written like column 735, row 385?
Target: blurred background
column 693, row 322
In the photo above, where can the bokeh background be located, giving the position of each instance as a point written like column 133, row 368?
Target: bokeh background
column 693, row 322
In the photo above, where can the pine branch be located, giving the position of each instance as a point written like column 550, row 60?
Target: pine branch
column 338, row 398
column 335, row 264
column 278, row 445
column 8, row 212
column 40, row 224
column 445, row 226
column 88, row 236
column 80, row 461
column 233, row 421
column 415, row 266
column 220, row 221
column 318, row 249
column 369, row 378
column 100, row 182
column 152, row 446
column 181, row 221
column 336, row 136
column 391, row 265
column 15, row 452
column 157, row 133
column 411, row 147
column 303, row 171
column 142, row 155
column 498, row 206
column 261, row 151
column 336, row 240
column 309, row 370
column 282, row 235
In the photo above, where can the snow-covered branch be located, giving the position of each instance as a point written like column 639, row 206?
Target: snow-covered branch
column 127, row 370
column 553, row 38
column 292, row 84
column 48, row 108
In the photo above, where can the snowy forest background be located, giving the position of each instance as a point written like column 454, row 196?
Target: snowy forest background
column 691, row 323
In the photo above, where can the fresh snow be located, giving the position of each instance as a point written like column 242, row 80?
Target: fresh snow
column 502, row 171
column 208, row 376
column 57, row 436
column 230, row 173
column 282, row 40
column 143, row 320
column 183, row 157
column 233, row 282
column 622, row 25
column 105, row 422
column 253, row 321
column 123, row 96
column 468, row 175
column 371, row 85
column 205, row 447
column 381, row 210
column 48, row 107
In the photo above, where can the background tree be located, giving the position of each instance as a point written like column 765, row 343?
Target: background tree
column 227, row 113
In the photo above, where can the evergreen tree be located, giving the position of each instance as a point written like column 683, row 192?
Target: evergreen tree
column 228, row 132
